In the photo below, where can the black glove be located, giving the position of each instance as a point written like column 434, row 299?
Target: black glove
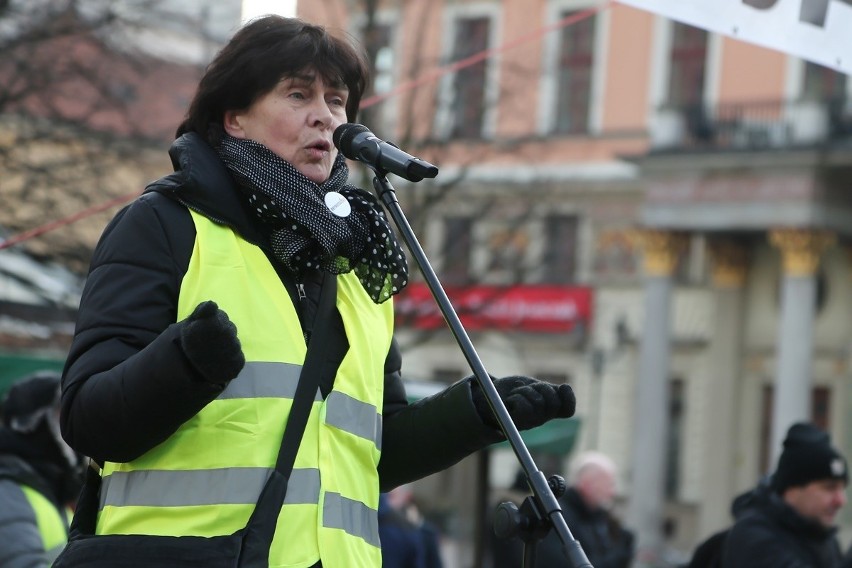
column 530, row 402
column 209, row 340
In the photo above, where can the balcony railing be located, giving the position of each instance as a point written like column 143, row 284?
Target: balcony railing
column 752, row 126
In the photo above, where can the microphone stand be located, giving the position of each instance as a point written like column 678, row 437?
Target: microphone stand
column 540, row 512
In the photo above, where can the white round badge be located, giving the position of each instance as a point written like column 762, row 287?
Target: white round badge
column 337, row 204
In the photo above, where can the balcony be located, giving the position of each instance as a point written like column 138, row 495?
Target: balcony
column 749, row 127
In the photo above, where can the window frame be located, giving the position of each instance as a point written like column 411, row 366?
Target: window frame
column 445, row 115
column 390, row 18
column 549, row 84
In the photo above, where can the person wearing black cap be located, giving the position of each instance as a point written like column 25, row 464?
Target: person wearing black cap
column 39, row 474
column 788, row 520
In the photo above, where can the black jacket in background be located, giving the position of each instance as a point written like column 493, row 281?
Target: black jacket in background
column 768, row 533
column 127, row 386
column 605, row 541
column 708, row 553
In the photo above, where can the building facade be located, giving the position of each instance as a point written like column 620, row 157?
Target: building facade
column 694, row 184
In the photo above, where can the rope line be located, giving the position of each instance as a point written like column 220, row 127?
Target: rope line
column 20, row 237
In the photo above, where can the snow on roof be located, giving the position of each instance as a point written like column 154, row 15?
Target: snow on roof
column 25, row 280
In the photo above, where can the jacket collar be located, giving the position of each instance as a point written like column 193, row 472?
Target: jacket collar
column 202, row 183
column 773, row 505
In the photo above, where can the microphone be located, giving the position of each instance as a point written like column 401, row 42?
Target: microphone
column 356, row 142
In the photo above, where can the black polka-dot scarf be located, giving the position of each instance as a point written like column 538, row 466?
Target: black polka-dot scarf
column 304, row 233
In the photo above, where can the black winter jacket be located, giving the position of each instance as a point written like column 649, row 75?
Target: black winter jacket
column 605, row 541
column 127, row 386
column 768, row 533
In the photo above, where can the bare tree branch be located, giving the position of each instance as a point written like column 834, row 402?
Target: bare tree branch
column 86, row 112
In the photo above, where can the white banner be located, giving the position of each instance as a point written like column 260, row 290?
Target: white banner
column 816, row 30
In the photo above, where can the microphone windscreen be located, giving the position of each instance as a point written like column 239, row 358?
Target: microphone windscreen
column 343, row 136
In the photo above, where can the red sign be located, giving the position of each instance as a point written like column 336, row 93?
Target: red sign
column 523, row 307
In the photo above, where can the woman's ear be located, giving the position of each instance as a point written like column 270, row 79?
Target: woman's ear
column 232, row 124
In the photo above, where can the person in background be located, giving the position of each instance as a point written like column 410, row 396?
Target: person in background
column 402, row 543
column 204, row 296
column 509, row 552
column 587, row 507
column 429, row 533
column 402, row 500
column 789, row 521
column 708, row 553
column 40, row 476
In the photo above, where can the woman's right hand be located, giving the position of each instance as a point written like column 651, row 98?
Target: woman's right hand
column 209, row 340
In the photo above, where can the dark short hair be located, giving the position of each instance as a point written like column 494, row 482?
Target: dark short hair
column 259, row 55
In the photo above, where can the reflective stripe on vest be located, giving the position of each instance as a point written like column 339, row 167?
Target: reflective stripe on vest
column 355, row 417
column 204, row 487
column 350, row 516
column 206, row 478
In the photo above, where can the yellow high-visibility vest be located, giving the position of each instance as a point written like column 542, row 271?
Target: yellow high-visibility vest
column 206, row 478
column 51, row 522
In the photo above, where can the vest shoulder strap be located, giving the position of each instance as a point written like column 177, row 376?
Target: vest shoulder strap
column 310, row 377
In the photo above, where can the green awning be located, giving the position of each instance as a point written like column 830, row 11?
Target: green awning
column 556, row 437
column 14, row 366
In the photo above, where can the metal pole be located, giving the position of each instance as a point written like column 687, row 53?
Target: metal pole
column 542, row 493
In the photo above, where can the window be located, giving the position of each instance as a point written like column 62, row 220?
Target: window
column 820, row 416
column 574, row 71
column 677, row 400
column 560, row 249
column 825, row 86
column 823, row 83
column 379, row 43
column 506, row 246
column 384, row 58
column 456, row 253
column 688, row 58
column 468, row 105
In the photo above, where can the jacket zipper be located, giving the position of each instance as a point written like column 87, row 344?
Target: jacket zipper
column 300, row 287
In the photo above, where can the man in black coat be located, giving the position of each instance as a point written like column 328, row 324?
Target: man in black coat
column 789, row 522
column 587, row 508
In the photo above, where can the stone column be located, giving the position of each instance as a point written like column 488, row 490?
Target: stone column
column 645, row 514
column 729, row 261
column 800, row 253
